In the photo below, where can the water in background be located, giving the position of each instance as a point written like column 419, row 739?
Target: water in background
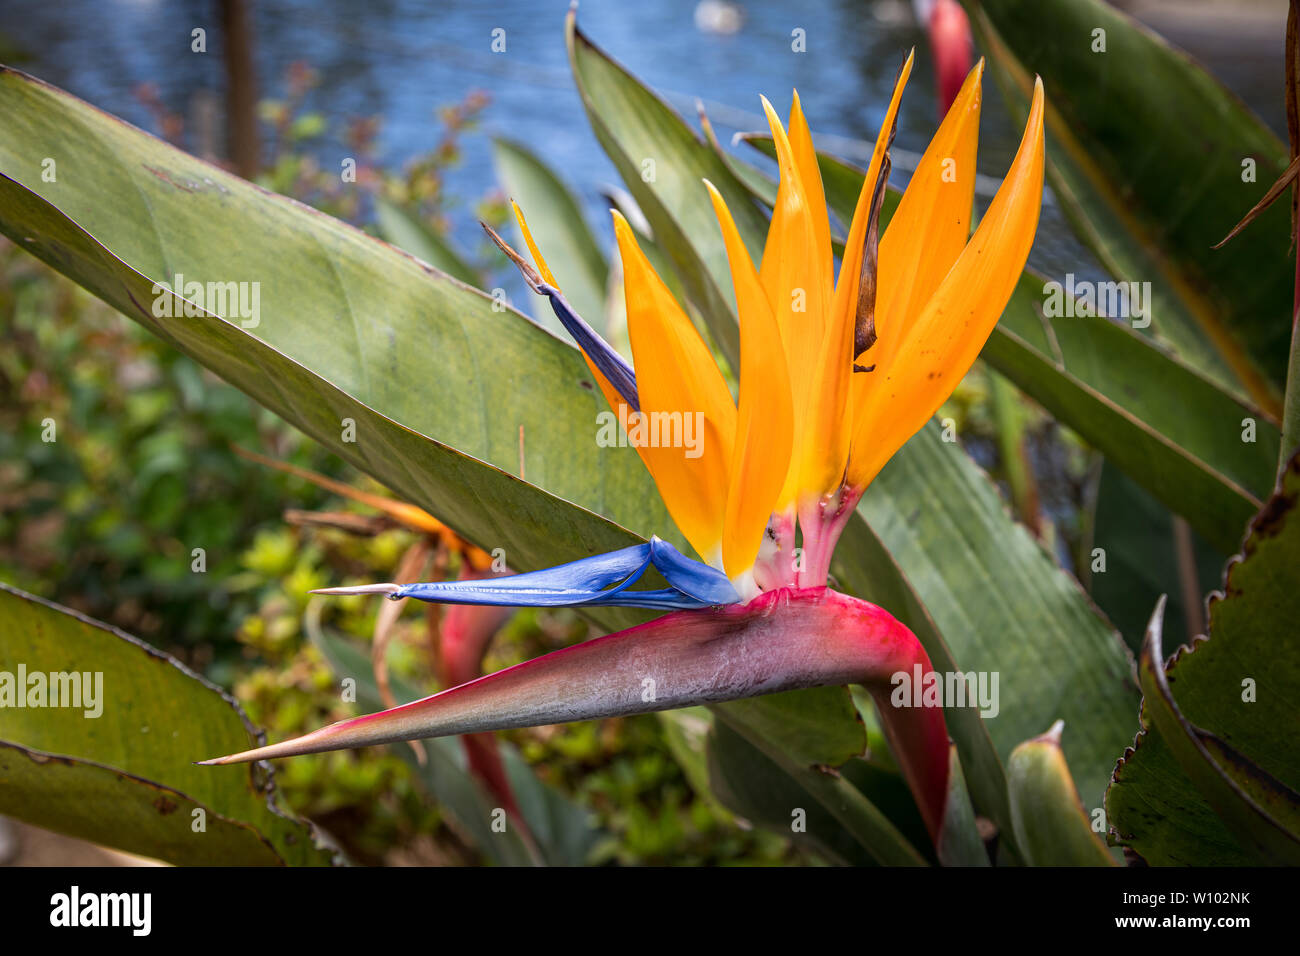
column 404, row 58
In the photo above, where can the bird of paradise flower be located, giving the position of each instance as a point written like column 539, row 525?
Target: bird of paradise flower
column 836, row 374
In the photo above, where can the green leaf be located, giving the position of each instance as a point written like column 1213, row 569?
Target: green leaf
column 865, row 567
column 834, row 794
column 1051, row 825
column 350, row 330
column 1147, row 155
column 755, row 788
column 799, row 721
column 1258, row 809
column 1197, row 448
column 662, row 163
column 1213, row 776
column 406, row 231
column 556, row 221
column 565, row 831
column 125, row 777
column 1140, row 544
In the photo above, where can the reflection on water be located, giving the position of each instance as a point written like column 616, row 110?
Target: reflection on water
column 404, row 58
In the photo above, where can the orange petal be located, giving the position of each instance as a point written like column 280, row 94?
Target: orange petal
column 944, row 340
column 542, row 267
column 765, row 421
column 824, row 429
column 810, row 178
column 612, row 397
column 932, row 223
column 795, row 287
column 683, row 397
column 846, row 286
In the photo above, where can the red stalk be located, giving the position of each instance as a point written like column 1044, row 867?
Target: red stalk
column 775, row 565
column 466, row 633
column 952, row 45
column 782, row 640
column 823, row 522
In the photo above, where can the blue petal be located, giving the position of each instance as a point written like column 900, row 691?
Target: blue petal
column 694, row 579
column 612, row 365
column 587, row 582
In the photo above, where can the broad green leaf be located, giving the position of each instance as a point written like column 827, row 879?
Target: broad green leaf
column 1153, row 160
column 1004, row 607
column 405, row 231
column 1051, row 825
column 558, row 226
column 1246, row 649
column 1213, row 776
column 565, row 831
column 438, row 385
column 835, row 794
column 1256, row 808
column 726, row 769
column 801, row 720
column 1139, row 548
column 752, row 786
column 116, row 767
column 864, row 566
column 1198, row 449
